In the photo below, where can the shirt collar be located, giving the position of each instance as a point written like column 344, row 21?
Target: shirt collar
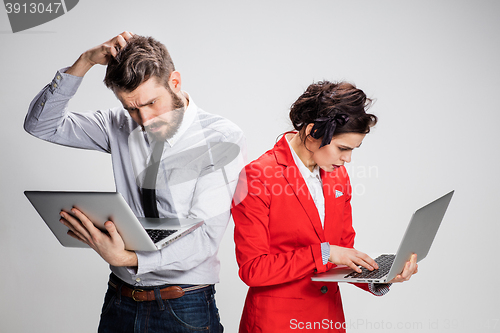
column 304, row 171
column 187, row 120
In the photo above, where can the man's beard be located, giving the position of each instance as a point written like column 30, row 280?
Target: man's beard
column 167, row 129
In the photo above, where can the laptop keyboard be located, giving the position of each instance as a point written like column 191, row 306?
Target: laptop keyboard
column 159, row 234
column 384, row 262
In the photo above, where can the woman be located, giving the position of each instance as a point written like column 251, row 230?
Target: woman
column 292, row 215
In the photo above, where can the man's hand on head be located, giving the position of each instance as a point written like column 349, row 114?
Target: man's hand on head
column 100, row 54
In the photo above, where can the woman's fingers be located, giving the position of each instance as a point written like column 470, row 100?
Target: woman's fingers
column 411, row 268
column 366, row 261
column 352, row 258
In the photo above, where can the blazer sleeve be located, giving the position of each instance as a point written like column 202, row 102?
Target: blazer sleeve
column 259, row 264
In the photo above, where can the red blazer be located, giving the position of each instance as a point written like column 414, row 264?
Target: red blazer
column 278, row 236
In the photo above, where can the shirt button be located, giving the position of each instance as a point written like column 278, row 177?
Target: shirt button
column 58, row 77
column 42, row 104
column 138, row 280
column 55, row 85
column 324, row 289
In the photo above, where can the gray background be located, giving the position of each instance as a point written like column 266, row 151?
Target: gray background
column 431, row 65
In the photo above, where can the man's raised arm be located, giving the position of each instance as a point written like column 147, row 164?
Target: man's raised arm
column 100, row 54
column 48, row 118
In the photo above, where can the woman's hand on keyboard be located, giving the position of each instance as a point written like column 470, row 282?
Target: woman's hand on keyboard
column 352, row 258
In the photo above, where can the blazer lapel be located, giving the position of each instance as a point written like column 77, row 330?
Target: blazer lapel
column 296, row 182
column 327, row 189
column 335, row 186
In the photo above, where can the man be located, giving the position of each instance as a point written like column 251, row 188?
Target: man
column 159, row 141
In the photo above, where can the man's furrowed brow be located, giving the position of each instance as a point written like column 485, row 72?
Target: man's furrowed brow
column 128, row 108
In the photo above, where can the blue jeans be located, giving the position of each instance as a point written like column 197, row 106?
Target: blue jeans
column 194, row 312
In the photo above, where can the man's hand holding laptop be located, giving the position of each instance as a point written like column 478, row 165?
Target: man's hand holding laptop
column 109, row 246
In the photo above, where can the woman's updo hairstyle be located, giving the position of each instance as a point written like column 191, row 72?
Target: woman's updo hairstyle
column 333, row 108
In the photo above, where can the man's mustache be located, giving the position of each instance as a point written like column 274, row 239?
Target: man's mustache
column 156, row 124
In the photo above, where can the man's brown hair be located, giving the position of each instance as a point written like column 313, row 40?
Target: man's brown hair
column 141, row 59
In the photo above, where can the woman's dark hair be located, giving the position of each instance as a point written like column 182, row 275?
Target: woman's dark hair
column 334, row 108
column 141, row 59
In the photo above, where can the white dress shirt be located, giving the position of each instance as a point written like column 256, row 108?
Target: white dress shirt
column 313, row 182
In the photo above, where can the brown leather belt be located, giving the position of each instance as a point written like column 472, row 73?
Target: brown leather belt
column 171, row 292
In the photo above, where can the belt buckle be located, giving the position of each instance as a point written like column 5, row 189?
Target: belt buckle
column 133, row 294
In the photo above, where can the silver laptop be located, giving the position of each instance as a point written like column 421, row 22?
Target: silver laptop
column 138, row 233
column 417, row 239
